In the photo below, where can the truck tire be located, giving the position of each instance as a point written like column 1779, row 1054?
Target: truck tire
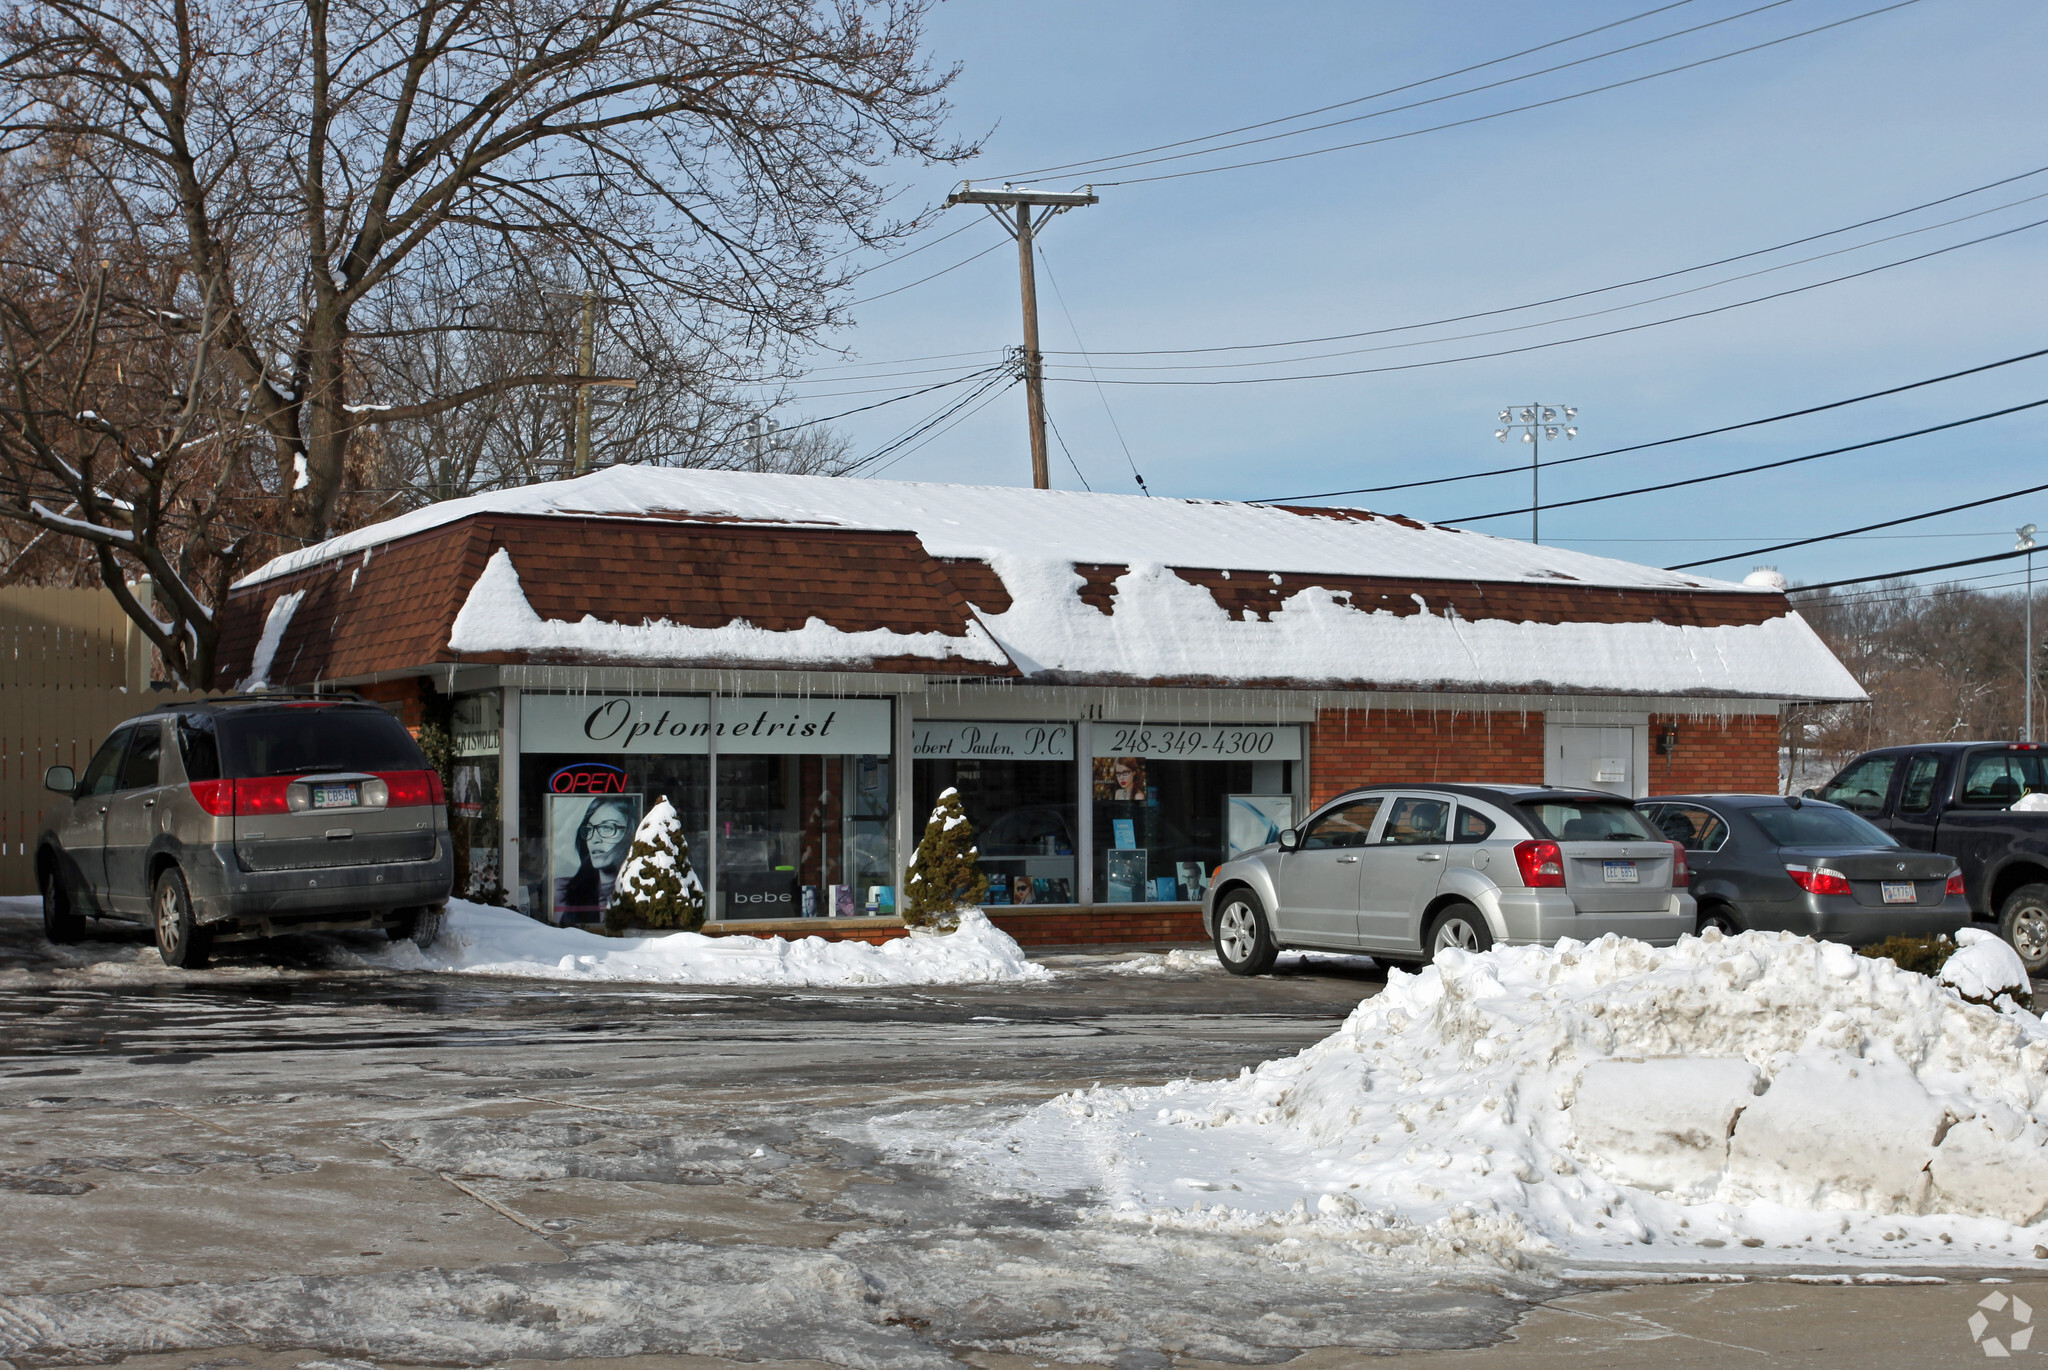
column 179, row 938
column 2023, row 922
column 1244, row 940
column 60, row 924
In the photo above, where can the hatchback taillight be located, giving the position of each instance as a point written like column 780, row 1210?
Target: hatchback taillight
column 1955, row 884
column 410, row 789
column 1541, row 864
column 1681, row 869
column 1818, row 881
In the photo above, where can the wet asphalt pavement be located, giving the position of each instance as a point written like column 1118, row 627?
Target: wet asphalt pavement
column 288, row 1156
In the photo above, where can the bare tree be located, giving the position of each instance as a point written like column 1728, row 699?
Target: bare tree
column 312, row 187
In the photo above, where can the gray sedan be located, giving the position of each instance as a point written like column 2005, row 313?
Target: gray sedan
column 1803, row 865
column 1401, row 872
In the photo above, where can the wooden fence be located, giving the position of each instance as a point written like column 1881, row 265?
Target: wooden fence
column 71, row 668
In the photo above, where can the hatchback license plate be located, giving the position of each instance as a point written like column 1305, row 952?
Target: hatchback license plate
column 1900, row 892
column 1619, row 872
column 334, row 796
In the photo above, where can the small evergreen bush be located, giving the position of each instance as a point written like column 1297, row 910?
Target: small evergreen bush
column 1926, row 955
column 657, row 887
column 945, row 874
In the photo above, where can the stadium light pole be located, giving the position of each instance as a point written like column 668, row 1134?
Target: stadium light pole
column 1536, row 422
column 2026, row 544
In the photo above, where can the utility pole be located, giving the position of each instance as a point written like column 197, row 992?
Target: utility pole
column 2026, row 544
column 1535, row 422
column 1045, row 203
column 586, row 365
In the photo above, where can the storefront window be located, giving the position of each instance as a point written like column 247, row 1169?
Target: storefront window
column 1016, row 782
column 801, row 830
column 474, row 827
column 1171, row 804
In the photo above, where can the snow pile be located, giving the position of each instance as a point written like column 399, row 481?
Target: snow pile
column 1984, row 967
column 480, row 940
column 1755, row 1098
column 1179, row 961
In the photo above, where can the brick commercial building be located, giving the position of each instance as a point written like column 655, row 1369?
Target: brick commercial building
column 1124, row 690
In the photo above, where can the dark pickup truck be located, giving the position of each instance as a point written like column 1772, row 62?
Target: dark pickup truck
column 1957, row 798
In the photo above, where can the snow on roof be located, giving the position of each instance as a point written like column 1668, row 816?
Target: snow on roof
column 991, row 521
column 1159, row 625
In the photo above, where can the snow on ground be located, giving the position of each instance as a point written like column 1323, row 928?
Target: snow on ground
column 477, row 939
column 1202, row 961
column 1756, row 1099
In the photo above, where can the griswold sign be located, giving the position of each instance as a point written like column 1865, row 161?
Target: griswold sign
column 682, row 724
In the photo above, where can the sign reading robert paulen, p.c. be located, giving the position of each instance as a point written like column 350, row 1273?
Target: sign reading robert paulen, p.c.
column 670, row 724
column 992, row 741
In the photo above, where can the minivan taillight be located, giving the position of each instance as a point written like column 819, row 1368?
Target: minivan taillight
column 1681, row 869
column 1818, row 881
column 1955, row 884
column 409, row 789
column 1541, row 864
column 224, row 797
column 217, row 797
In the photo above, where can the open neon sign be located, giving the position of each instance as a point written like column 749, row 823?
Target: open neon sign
column 588, row 777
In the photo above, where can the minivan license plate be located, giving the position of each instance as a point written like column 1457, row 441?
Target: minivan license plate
column 1620, row 872
column 1900, row 892
column 334, row 796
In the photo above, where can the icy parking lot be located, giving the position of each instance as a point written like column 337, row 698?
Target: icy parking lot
column 311, row 1147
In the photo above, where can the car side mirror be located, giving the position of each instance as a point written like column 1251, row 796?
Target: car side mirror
column 60, row 779
column 1289, row 839
column 1809, row 794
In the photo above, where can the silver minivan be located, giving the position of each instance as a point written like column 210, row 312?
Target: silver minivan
column 246, row 818
column 1401, row 872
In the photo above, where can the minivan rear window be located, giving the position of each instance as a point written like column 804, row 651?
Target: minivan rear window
column 312, row 741
column 1588, row 821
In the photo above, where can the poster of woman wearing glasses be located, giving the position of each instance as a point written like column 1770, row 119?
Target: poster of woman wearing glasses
column 589, row 838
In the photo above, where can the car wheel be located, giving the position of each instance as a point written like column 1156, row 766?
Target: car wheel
column 2024, row 923
column 179, row 938
column 419, row 927
column 60, row 924
column 1459, row 926
column 1717, row 917
column 1244, row 943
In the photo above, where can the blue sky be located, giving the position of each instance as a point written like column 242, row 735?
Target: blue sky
column 1871, row 117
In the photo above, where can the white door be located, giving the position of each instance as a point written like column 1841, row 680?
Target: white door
column 1584, row 757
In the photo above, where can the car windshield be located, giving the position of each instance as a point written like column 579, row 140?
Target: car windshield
column 309, row 741
column 1589, row 820
column 1813, row 826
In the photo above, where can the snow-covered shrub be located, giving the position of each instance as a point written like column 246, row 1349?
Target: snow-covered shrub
column 945, row 875
column 1975, row 963
column 657, row 887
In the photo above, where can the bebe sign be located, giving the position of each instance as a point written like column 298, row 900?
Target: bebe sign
column 682, row 724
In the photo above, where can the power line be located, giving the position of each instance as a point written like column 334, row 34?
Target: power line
column 1765, row 466
column 851, row 304
column 1586, row 337
column 1342, row 104
column 1100, row 394
column 1575, row 295
column 1866, row 528
column 1683, row 437
column 1498, row 114
column 1439, row 99
column 995, row 383
column 1587, row 314
column 960, row 414
column 1062, row 439
column 1915, row 571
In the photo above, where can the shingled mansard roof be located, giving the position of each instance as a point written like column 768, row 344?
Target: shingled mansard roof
column 713, row 568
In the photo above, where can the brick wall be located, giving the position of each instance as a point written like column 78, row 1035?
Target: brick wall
column 1734, row 755
column 1352, row 747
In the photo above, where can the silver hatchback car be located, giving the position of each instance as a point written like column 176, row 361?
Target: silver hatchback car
column 1400, row 872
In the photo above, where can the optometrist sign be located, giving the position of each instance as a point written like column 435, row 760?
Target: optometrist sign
column 649, row 725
